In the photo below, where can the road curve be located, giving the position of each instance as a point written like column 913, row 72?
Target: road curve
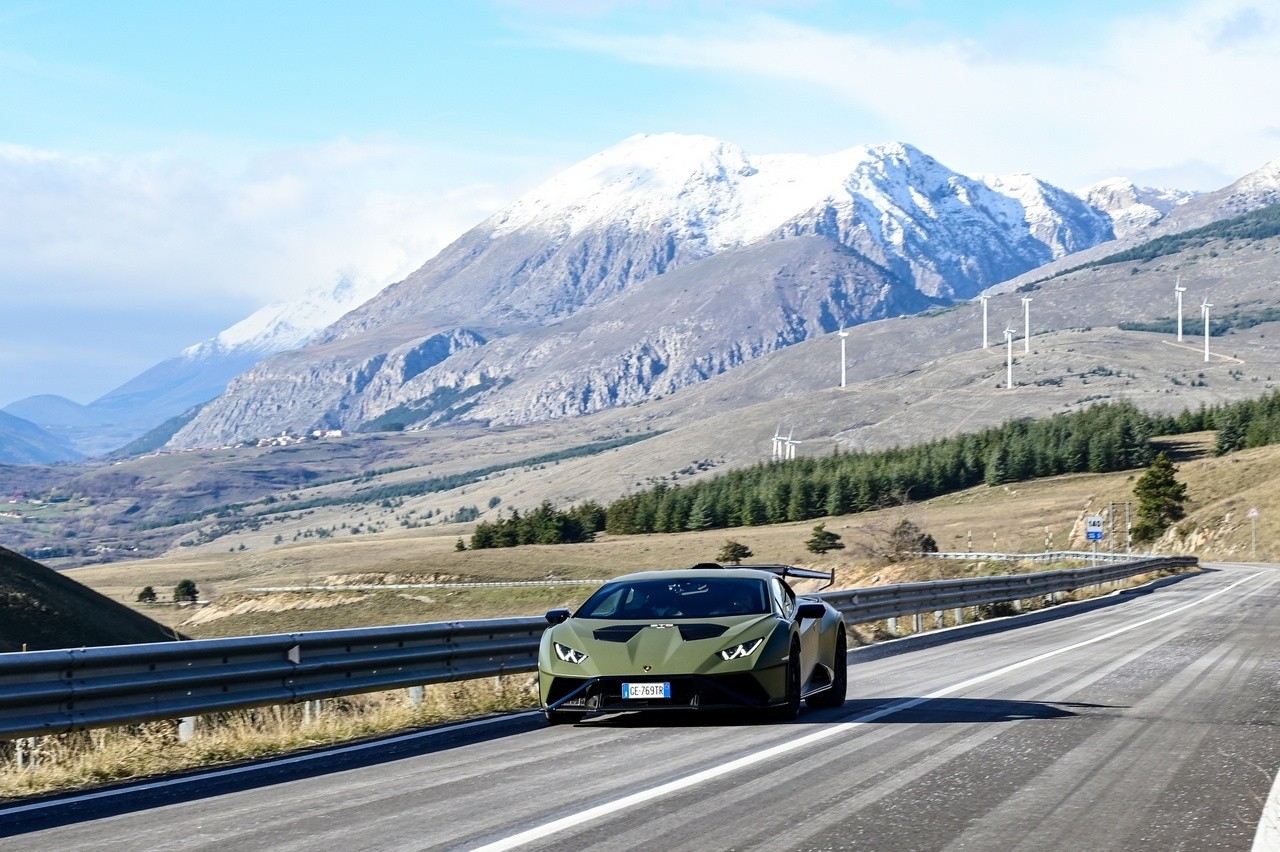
column 1147, row 720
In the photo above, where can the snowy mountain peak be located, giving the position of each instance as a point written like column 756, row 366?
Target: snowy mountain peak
column 1045, row 208
column 696, row 186
column 1132, row 208
column 289, row 324
column 1264, row 179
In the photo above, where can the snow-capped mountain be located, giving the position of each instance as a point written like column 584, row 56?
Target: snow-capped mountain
column 287, row 324
column 1133, row 208
column 193, row 377
column 655, row 203
column 1259, row 188
column 682, row 227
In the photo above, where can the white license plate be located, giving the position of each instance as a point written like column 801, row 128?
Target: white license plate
column 646, row 690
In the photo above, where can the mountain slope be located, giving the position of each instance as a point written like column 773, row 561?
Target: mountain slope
column 1132, row 208
column 1254, row 191
column 1259, row 188
column 44, row 610
column 890, row 219
column 23, row 442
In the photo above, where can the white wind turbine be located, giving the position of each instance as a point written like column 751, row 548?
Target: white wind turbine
column 1178, row 290
column 984, row 298
column 843, row 335
column 777, row 443
column 1008, row 339
column 1026, row 323
column 1204, row 309
column 791, row 445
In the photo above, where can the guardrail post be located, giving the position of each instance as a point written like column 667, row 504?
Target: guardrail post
column 893, row 625
column 959, row 614
column 938, row 620
column 1016, row 603
column 24, row 749
column 416, row 695
column 310, row 711
column 186, row 729
column 917, row 623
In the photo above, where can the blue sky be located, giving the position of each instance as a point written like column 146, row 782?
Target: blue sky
column 167, row 168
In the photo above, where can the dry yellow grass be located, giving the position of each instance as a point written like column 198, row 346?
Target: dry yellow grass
column 92, row 758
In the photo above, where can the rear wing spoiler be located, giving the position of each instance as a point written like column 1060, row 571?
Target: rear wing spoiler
column 782, row 571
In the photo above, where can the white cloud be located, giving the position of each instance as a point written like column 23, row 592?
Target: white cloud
column 1187, row 86
column 142, row 256
column 170, row 229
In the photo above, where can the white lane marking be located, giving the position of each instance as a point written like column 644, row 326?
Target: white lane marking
column 256, row 767
column 714, row 772
column 1267, row 837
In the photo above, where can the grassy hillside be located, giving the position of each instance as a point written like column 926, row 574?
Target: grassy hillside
column 1020, row 518
column 42, row 609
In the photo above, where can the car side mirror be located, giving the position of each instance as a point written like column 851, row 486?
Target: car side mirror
column 557, row 615
column 811, row 610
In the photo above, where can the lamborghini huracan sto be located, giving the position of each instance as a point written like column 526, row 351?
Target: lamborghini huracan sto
column 702, row 638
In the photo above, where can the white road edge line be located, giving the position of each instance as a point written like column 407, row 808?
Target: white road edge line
column 256, row 767
column 714, row 772
column 1267, row 837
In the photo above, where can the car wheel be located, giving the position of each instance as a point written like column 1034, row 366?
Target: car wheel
column 791, row 708
column 834, row 697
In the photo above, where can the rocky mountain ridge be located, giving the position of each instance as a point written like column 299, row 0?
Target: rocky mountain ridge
column 657, row 238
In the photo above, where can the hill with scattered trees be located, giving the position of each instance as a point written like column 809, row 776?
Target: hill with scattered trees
column 1104, row 438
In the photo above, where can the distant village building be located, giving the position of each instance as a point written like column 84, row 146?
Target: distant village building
column 284, row 439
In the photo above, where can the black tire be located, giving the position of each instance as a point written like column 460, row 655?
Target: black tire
column 791, row 708
column 835, row 696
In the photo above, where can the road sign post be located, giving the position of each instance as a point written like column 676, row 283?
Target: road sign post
column 1093, row 532
column 1253, row 532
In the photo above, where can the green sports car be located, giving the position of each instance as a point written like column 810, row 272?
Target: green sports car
column 702, row 638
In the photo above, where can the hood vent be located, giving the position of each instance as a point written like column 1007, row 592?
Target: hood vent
column 618, row 632
column 688, row 632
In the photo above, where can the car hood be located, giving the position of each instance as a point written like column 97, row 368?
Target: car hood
column 683, row 646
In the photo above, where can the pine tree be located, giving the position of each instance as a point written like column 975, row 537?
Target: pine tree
column 1161, row 499
column 1231, row 433
column 823, row 540
column 147, row 595
column 186, row 591
column 733, row 553
column 700, row 518
column 994, row 472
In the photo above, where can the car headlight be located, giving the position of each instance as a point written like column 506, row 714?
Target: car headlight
column 569, row 655
column 746, row 649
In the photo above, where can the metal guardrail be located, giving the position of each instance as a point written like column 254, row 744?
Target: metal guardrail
column 1047, row 556
column 876, row 602
column 51, row 692
column 391, row 587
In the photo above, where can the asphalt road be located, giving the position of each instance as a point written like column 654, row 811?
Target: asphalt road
column 1149, row 721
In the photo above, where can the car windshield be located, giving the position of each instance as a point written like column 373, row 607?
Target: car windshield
column 701, row 597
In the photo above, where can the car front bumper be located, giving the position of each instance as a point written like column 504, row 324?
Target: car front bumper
column 739, row 690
